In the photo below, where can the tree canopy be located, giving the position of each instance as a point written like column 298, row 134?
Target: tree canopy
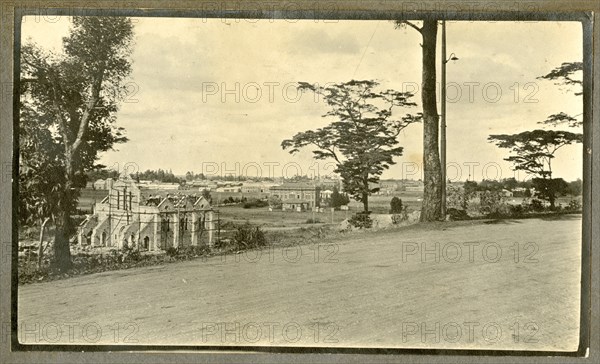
column 565, row 75
column 362, row 140
column 534, row 150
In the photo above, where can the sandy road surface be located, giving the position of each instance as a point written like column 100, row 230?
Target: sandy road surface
column 365, row 290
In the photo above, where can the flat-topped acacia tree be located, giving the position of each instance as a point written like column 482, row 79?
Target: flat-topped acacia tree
column 533, row 152
column 362, row 139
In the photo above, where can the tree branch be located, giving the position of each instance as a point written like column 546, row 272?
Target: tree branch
column 412, row 25
column 83, row 123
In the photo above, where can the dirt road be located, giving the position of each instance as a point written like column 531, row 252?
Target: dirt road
column 508, row 285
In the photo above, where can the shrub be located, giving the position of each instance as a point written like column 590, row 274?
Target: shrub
column 492, row 203
column 255, row 203
column 171, row 251
column 396, row 205
column 574, row 205
column 188, row 252
column 517, row 210
column 536, row 205
column 457, row 197
column 249, row 236
column 338, row 199
column 361, row 220
column 275, row 202
column 130, row 254
column 401, row 216
column 458, row 214
column 397, row 218
column 313, row 221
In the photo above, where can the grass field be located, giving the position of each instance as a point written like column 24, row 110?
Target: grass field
column 288, row 219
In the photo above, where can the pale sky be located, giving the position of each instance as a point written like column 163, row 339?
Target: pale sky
column 179, row 116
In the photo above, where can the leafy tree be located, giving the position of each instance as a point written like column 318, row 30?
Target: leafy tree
column 548, row 188
column 432, row 170
column 191, row 176
column 363, row 138
column 75, row 95
column 159, row 175
column 275, row 202
column 509, row 183
column 489, row 185
column 470, row 188
column 338, row 199
column 41, row 174
column 206, row 195
column 575, row 188
column 533, row 151
column 101, row 172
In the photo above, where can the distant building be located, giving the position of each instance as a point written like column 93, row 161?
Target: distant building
column 127, row 216
column 229, row 188
column 156, row 185
column 386, row 187
column 103, row 184
column 413, row 186
column 297, row 196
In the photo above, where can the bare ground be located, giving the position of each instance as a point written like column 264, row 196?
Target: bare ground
column 362, row 290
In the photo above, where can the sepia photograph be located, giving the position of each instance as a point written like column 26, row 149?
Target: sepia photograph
column 272, row 182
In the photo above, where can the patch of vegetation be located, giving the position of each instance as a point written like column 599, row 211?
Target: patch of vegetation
column 88, row 263
column 458, row 214
column 255, row 203
column 396, row 205
column 492, row 204
column 574, row 205
column 232, row 200
column 361, row 220
column 246, row 236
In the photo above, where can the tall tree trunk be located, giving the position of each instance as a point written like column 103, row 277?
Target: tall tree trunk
column 64, row 225
column 62, row 251
column 365, row 194
column 432, row 194
column 365, row 201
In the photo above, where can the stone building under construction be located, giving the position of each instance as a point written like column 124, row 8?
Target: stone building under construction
column 131, row 216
